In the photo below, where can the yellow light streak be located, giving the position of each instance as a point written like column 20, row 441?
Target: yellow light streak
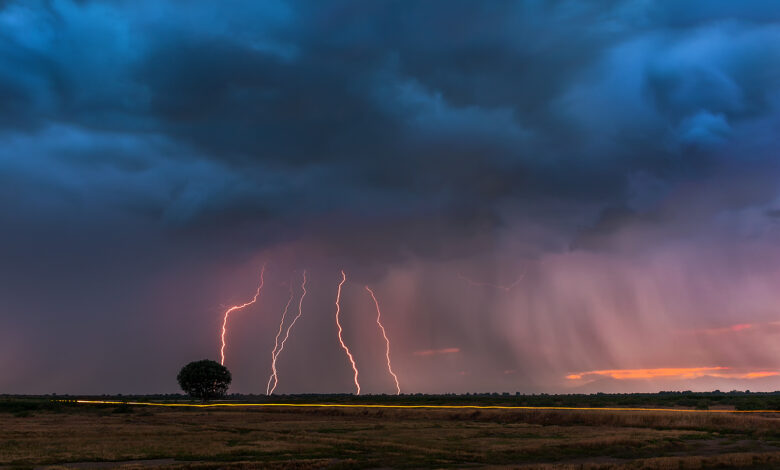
column 435, row 407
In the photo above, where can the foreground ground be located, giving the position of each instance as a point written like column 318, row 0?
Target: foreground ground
column 80, row 436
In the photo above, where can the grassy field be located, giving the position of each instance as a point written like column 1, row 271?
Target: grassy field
column 35, row 433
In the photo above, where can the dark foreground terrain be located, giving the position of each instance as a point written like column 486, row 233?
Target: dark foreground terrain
column 37, row 433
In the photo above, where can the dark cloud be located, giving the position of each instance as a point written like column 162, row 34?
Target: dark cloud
column 389, row 137
column 483, row 103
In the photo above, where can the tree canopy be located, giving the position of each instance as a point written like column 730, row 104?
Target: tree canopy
column 204, row 379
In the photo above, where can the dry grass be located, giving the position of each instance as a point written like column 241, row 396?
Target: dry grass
column 353, row 438
column 741, row 460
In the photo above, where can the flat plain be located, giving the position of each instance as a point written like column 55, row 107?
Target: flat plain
column 60, row 436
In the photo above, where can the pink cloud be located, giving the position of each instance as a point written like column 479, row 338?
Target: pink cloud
column 436, row 352
column 674, row 373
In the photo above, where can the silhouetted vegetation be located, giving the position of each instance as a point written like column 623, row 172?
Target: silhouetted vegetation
column 737, row 400
column 696, row 400
column 205, row 380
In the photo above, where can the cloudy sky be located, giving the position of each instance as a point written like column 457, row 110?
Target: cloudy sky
column 545, row 196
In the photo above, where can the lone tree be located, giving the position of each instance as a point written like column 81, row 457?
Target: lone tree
column 204, row 379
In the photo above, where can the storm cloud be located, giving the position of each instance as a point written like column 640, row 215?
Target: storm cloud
column 619, row 157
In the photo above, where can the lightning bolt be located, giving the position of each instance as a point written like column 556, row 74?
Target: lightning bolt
column 238, row 307
column 287, row 335
column 338, row 324
column 276, row 343
column 387, row 341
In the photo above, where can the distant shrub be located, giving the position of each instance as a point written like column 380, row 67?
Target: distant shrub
column 28, row 405
column 750, row 404
column 123, row 408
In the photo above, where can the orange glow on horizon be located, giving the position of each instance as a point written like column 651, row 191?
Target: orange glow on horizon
column 238, row 307
column 338, row 324
column 676, row 373
column 287, row 333
column 387, row 341
column 758, row 375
